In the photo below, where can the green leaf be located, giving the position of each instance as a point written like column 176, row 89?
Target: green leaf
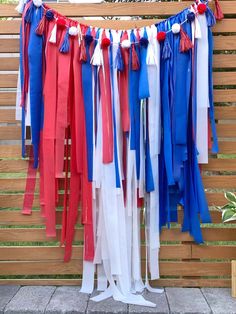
column 233, row 218
column 230, row 196
column 228, row 214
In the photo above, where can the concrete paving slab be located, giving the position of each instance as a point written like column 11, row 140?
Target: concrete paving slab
column 67, row 300
column 107, row 306
column 30, row 299
column 159, row 299
column 6, row 294
column 220, row 300
column 186, row 300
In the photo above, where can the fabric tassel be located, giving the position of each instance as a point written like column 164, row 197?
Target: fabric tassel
column 65, row 46
column 218, row 11
column 53, row 37
column 29, row 13
column 135, row 59
column 97, row 58
column 82, row 55
column 166, row 52
column 20, row 7
column 119, row 60
column 185, row 43
column 211, row 20
column 41, row 26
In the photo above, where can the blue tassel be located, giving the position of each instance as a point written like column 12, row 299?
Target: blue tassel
column 49, row 15
column 65, row 46
column 119, row 60
column 211, row 20
column 29, row 14
column 166, row 52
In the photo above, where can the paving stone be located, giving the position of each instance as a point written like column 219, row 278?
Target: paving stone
column 107, row 306
column 157, row 298
column 220, row 300
column 30, row 299
column 187, row 300
column 6, row 294
column 67, row 300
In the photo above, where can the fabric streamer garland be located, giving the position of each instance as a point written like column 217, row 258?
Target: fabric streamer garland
column 119, row 120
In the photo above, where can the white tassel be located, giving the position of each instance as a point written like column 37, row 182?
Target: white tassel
column 53, row 37
column 97, row 58
column 20, row 7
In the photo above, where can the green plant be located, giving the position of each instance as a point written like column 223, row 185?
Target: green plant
column 229, row 209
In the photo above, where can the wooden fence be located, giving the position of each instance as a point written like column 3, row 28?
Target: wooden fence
column 27, row 256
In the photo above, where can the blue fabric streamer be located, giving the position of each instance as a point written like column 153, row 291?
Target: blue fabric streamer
column 35, row 49
column 143, row 77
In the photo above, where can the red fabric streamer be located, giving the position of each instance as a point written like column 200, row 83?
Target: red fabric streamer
column 105, row 87
column 123, row 87
column 218, row 11
column 30, row 186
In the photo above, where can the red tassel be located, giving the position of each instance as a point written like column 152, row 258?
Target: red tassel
column 41, row 26
column 83, row 55
column 135, row 60
column 218, row 11
column 185, row 42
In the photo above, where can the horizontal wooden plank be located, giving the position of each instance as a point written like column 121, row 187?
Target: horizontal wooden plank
column 220, row 95
column 120, row 9
column 227, row 147
column 219, row 61
column 7, row 116
column 11, row 132
column 219, row 78
column 9, row 64
column 220, row 43
column 16, row 200
column 215, row 199
column 75, row 267
column 225, row 113
column 221, row 113
column 226, row 130
column 224, row 95
column 218, row 165
column 7, row 98
column 13, row 26
column 214, row 181
column 224, row 61
column 37, row 253
column 224, row 78
column 21, row 166
column 163, row 282
column 174, row 234
column 9, row 45
column 214, row 252
column 15, row 217
column 219, row 182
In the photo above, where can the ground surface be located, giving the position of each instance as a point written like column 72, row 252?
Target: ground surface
column 38, row 299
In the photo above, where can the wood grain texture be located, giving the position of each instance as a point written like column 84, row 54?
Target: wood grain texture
column 36, row 253
column 163, row 282
column 74, row 267
column 214, row 251
column 121, row 9
column 219, row 61
column 12, row 27
column 220, row 43
column 220, row 95
column 221, row 113
column 173, row 234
